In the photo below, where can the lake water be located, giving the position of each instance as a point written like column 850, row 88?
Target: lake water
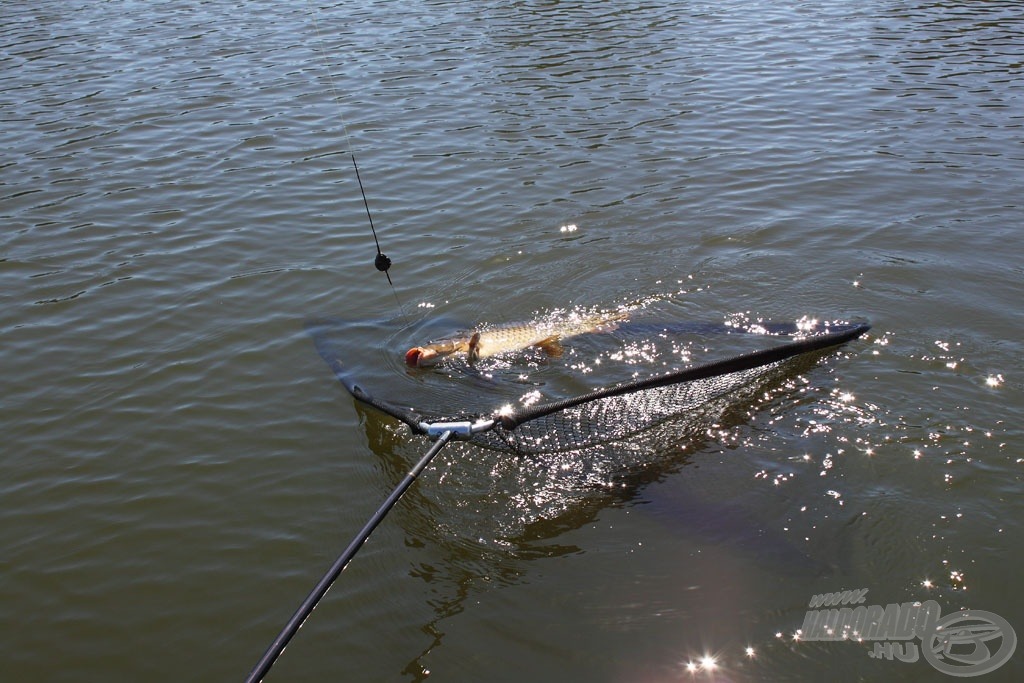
column 180, row 467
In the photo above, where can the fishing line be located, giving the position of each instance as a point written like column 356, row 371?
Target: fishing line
column 381, row 262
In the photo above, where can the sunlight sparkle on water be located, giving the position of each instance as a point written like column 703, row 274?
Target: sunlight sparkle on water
column 994, row 380
column 806, row 324
column 705, row 663
column 528, row 399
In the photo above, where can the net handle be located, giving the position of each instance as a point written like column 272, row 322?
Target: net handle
column 320, row 590
column 747, row 361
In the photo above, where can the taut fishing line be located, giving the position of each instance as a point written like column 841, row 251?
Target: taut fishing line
column 381, row 262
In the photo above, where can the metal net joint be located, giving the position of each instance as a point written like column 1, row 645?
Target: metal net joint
column 459, row 430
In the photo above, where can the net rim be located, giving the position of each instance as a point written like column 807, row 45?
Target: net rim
column 512, row 419
column 509, row 419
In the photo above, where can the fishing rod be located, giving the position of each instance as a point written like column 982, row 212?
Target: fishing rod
column 321, row 588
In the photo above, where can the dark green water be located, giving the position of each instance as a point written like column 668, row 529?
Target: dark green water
column 179, row 466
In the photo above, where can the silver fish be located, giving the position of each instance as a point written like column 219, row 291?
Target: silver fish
column 493, row 340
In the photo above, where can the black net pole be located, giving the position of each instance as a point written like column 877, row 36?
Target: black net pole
column 306, row 608
column 739, row 363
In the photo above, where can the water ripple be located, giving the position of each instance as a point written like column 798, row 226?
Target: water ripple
column 177, row 191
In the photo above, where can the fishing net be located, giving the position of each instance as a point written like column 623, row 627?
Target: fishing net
column 615, row 418
column 606, row 415
column 613, row 414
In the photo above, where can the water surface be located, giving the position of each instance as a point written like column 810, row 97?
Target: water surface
column 180, row 466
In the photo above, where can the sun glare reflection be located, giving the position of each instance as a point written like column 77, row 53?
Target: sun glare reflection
column 707, row 663
column 806, row 324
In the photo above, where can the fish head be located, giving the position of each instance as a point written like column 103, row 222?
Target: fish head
column 432, row 354
column 421, row 357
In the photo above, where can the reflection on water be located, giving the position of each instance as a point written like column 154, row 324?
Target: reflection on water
column 490, row 515
column 178, row 198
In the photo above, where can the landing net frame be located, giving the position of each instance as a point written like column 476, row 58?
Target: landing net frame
column 605, row 415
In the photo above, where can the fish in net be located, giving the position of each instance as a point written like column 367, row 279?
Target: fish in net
column 601, row 416
column 616, row 413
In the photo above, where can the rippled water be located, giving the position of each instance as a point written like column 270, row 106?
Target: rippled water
column 180, row 467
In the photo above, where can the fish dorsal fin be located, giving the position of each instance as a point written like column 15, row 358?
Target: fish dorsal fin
column 550, row 345
column 473, row 352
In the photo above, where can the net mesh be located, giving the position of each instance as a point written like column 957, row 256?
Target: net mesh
column 617, row 417
column 616, row 413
